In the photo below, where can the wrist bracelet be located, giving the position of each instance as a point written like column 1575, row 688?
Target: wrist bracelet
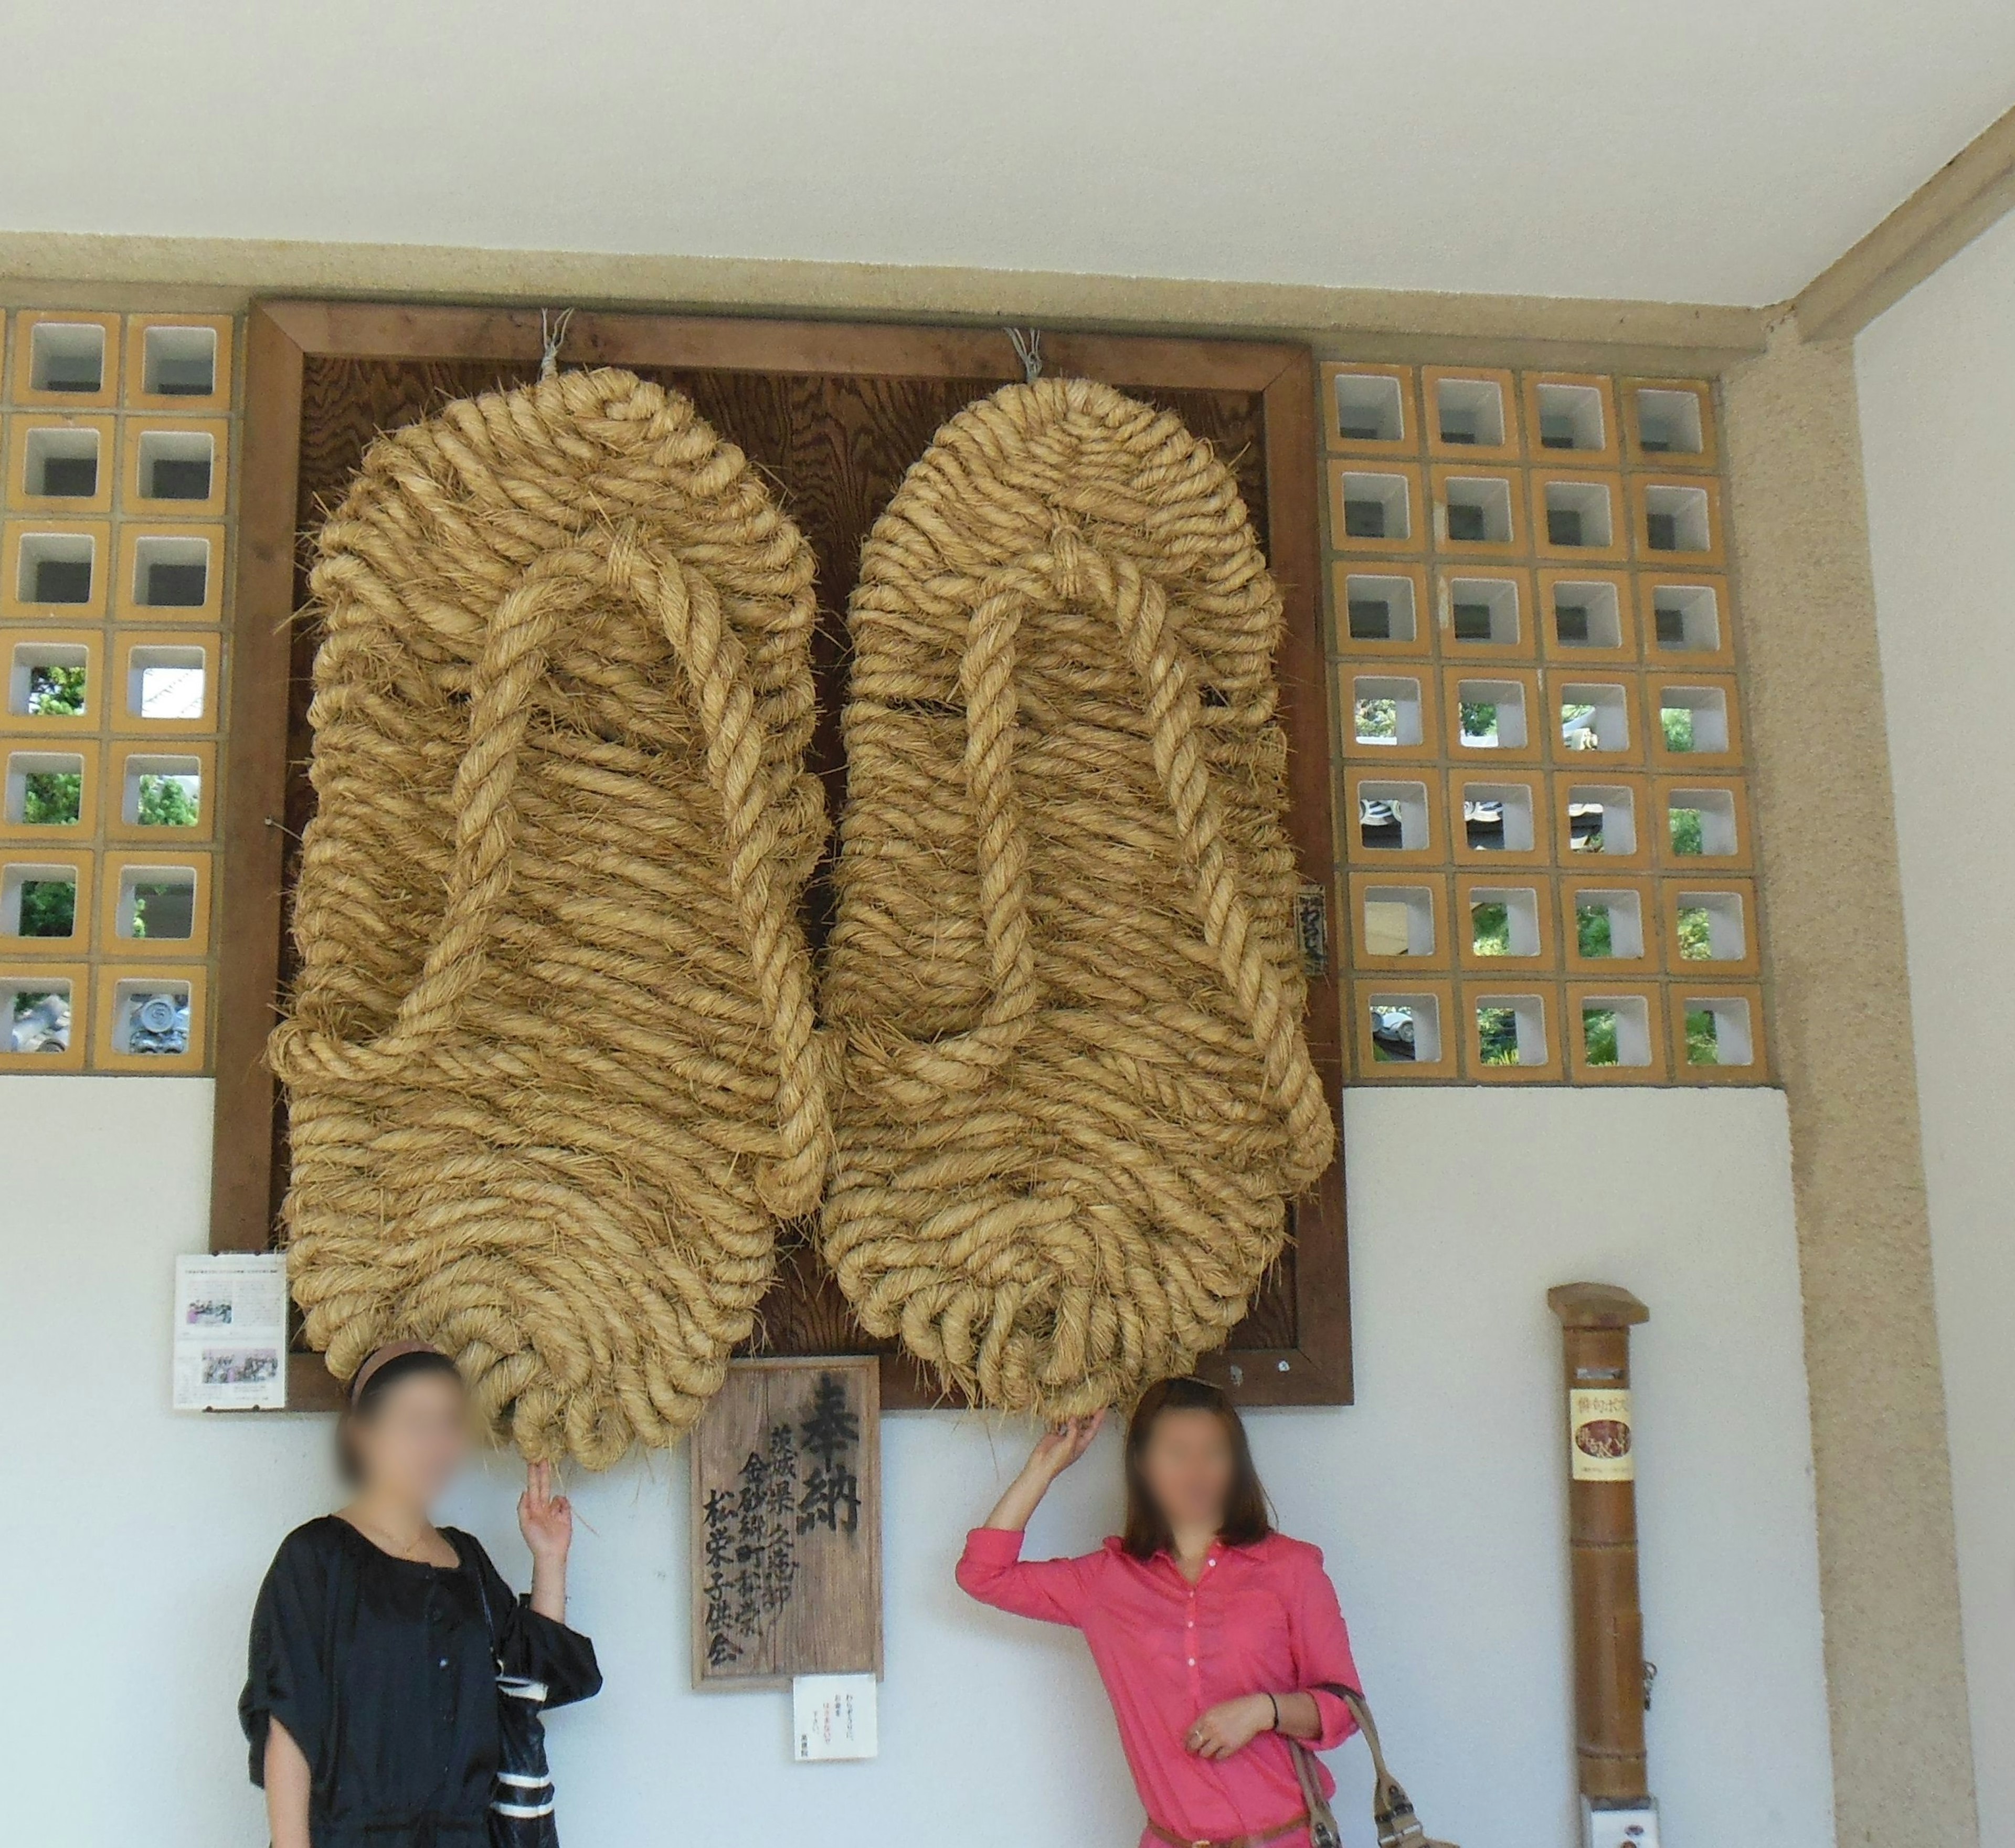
column 1274, row 1703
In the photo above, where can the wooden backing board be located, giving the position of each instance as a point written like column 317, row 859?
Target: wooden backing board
column 786, row 1524
column 834, row 412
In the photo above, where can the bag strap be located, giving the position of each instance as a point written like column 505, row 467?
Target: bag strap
column 489, row 1616
column 1391, row 1808
column 1323, row 1831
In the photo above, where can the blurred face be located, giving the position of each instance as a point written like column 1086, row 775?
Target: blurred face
column 415, row 1439
column 1188, row 1468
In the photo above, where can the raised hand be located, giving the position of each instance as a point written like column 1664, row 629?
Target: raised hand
column 1062, row 1445
column 545, row 1520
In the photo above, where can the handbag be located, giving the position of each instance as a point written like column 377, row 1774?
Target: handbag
column 520, row 1797
column 1392, row 1810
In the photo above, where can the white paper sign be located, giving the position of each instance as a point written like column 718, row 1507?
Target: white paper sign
column 832, row 1717
column 230, row 1332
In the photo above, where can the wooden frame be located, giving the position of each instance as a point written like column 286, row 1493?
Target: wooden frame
column 283, row 338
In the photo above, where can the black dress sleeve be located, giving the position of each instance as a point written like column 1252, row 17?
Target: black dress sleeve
column 287, row 1676
column 532, row 1645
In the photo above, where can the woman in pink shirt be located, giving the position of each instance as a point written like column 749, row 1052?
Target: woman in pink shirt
column 1218, row 1640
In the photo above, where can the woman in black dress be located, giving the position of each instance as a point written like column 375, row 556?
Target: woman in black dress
column 371, row 1705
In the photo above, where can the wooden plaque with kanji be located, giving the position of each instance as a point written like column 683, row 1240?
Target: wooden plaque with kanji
column 787, row 1523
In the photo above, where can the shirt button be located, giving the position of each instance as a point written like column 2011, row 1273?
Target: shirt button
column 443, row 1661
column 1192, row 1661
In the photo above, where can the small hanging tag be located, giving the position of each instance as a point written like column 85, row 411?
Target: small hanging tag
column 1312, row 928
column 832, row 1717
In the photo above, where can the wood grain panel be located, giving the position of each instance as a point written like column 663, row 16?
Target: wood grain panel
column 786, row 1524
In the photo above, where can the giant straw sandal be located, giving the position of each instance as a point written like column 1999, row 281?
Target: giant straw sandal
column 550, row 1061
column 1076, row 1094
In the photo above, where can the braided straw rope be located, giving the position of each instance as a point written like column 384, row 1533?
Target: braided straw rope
column 550, row 1062
column 1075, row 1093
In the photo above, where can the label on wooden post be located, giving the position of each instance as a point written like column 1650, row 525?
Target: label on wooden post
column 1599, row 1430
column 787, row 1524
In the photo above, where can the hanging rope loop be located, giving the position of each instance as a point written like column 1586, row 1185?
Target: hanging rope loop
column 1028, row 345
column 552, row 336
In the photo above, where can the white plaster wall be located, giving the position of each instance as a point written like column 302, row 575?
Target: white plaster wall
column 132, row 1539
column 1936, row 376
column 1550, row 147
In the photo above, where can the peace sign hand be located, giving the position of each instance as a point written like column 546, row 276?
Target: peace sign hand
column 545, row 1520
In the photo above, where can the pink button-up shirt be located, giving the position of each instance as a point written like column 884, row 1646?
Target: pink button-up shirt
column 1262, row 1620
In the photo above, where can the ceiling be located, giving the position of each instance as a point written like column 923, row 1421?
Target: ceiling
column 1705, row 150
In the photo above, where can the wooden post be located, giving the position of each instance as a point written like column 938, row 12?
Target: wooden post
column 1595, row 1321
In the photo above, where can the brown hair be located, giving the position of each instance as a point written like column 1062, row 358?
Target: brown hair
column 1246, row 1518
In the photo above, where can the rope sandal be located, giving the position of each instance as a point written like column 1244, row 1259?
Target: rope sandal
column 550, row 1062
column 1075, row 1093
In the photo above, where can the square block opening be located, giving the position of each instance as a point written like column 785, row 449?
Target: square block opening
column 1595, row 718
column 1483, row 609
column 1675, row 519
column 1371, row 408
column 1687, row 617
column 1710, row 927
column 170, row 573
column 1719, row 1031
column 179, row 362
column 162, row 791
column 62, row 464
column 1504, row 921
column 1385, row 710
column 1477, row 509
column 1393, row 817
column 56, row 568
column 1615, row 1029
column 1380, row 608
column 1669, row 422
column 1578, row 514
column 1469, row 412
column 1492, row 714
column 1376, row 506
column 177, row 465
column 164, row 682
column 1510, row 1029
column 150, row 1017
column 45, row 789
column 1701, row 823
column 66, row 356
column 1497, row 817
column 48, row 679
column 157, row 904
column 1587, row 616
column 1608, row 924
column 36, row 1011
column 1602, row 819
column 1693, row 719
column 38, row 901
column 1397, row 921
column 1571, row 418
column 1406, row 1029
